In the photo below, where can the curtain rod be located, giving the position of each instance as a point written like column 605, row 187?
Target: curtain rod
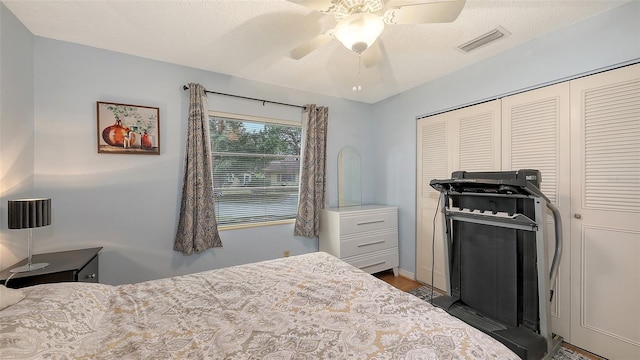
column 185, row 87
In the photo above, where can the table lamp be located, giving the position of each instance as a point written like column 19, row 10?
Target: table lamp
column 29, row 214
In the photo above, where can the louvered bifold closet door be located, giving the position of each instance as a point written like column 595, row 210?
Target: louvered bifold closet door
column 612, row 139
column 466, row 139
column 477, row 137
column 535, row 135
column 605, row 196
column 433, row 162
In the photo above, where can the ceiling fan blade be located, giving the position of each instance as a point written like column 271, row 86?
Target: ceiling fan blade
column 423, row 13
column 324, row 6
column 304, row 49
column 373, row 55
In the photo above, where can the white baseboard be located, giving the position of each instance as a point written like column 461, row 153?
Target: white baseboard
column 407, row 274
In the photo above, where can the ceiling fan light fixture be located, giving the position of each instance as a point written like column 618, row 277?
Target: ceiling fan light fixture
column 359, row 31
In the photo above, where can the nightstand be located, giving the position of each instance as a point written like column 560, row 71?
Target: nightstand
column 74, row 265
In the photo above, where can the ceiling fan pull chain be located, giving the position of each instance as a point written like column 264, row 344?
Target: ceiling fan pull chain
column 359, row 69
column 358, row 87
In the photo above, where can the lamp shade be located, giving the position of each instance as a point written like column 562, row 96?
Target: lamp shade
column 29, row 213
column 359, row 31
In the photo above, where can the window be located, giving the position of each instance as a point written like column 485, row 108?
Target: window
column 256, row 168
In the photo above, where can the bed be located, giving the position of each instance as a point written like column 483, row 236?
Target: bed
column 311, row 306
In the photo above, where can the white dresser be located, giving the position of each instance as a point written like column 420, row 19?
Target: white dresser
column 364, row 236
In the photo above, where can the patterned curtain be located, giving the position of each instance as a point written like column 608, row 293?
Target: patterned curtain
column 312, row 177
column 197, row 227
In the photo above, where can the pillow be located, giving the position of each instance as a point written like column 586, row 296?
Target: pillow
column 9, row 297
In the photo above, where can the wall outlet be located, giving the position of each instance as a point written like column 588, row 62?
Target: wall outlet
column 286, row 253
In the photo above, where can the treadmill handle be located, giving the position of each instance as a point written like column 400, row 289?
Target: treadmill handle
column 557, row 255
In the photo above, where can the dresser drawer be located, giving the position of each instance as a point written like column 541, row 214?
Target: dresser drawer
column 368, row 242
column 350, row 224
column 376, row 261
column 89, row 273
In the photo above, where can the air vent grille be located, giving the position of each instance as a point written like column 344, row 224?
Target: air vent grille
column 484, row 39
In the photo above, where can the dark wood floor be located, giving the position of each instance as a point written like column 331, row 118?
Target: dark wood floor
column 406, row 284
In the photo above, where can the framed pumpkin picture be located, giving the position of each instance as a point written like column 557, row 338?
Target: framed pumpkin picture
column 128, row 129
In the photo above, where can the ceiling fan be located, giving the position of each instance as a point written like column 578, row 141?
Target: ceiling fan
column 360, row 22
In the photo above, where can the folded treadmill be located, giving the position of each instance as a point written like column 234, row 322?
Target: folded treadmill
column 497, row 259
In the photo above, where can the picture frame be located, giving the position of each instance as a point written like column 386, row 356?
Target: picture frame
column 128, row 129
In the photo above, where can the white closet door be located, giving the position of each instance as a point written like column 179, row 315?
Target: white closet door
column 605, row 196
column 466, row 139
column 535, row 135
column 476, row 137
column 433, row 162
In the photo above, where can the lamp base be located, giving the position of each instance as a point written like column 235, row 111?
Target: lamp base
column 29, row 267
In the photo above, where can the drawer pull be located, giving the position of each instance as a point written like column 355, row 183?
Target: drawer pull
column 370, row 222
column 378, row 263
column 371, row 243
column 91, row 276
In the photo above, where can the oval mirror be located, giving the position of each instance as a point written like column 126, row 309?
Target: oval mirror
column 349, row 193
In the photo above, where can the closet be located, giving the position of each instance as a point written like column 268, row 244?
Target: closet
column 584, row 136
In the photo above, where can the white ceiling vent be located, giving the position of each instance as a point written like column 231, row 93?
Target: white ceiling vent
column 484, row 39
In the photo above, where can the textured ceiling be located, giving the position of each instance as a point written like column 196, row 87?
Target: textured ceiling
column 251, row 39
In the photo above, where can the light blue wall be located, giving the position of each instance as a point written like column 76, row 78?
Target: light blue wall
column 129, row 203
column 16, row 128
column 596, row 43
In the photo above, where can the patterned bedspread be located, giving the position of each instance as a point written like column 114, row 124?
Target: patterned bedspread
column 311, row 306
